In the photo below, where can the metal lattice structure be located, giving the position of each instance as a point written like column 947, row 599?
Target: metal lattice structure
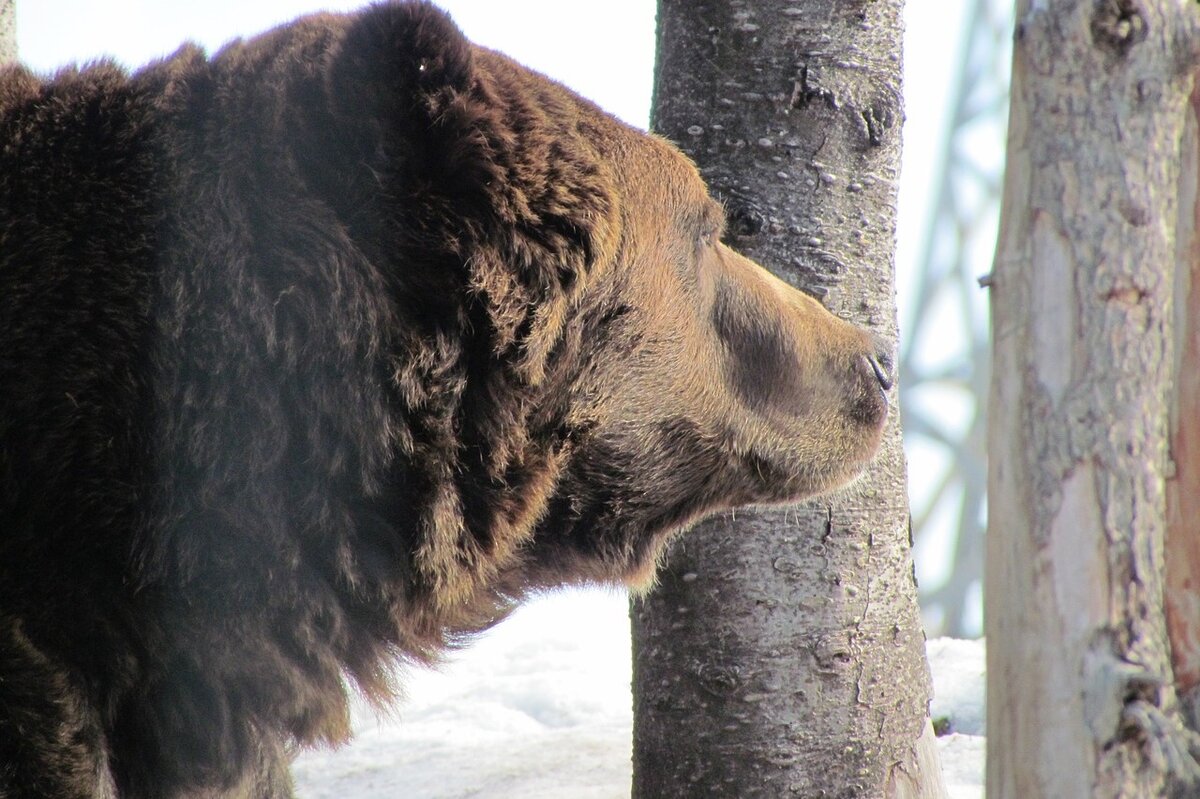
column 945, row 356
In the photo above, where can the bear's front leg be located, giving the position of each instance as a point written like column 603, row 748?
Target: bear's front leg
column 52, row 745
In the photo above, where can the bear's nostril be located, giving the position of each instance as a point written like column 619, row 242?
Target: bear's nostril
column 881, row 365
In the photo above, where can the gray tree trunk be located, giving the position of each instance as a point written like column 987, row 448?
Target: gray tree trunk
column 8, row 31
column 782, row 653
column 1081, row 698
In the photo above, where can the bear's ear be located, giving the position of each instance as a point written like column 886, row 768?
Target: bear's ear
column 495, row 159
column 396, row 64
column 409, row 107
column 396, row 45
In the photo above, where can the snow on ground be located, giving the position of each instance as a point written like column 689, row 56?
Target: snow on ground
column 958, row 713
column 539, row 708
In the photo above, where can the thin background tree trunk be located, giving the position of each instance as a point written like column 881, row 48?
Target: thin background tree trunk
column 782, row 653
column 8, row 31
column 1080, row 684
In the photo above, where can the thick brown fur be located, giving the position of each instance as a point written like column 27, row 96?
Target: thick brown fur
column 319, row 354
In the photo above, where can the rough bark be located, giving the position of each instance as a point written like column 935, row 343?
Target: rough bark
column 782, row 653
column 1080, row 685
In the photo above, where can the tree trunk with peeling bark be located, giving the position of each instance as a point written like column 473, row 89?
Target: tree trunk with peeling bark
column 1081, row 688
column 782, row 653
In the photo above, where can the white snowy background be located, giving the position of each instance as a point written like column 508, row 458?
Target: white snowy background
column 539, row 708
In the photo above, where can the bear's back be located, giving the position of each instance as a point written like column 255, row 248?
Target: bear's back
column 80, row 206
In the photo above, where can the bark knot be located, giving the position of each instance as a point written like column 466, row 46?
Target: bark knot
column 807, row 89
column 1125, row 294
column 718, row 679
column 878, row 119
column 1118, row 26
column 744, row 219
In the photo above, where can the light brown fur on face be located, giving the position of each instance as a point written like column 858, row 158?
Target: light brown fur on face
column 818, row 413
column 714, row 384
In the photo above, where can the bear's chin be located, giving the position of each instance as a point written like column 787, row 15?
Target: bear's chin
column 640, row 574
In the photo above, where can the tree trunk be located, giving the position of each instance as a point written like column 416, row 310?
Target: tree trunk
column 1183, row 483
column 8, row 31
column 1080, row 685
column 782, row 653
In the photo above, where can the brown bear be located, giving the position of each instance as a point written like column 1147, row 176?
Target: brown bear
column 319, row 354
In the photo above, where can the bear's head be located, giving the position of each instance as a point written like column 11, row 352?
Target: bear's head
column 585, row 367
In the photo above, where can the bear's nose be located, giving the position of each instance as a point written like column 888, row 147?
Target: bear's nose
column 881, row 364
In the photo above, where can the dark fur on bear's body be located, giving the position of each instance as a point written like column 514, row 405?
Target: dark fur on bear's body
column 319, row 354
